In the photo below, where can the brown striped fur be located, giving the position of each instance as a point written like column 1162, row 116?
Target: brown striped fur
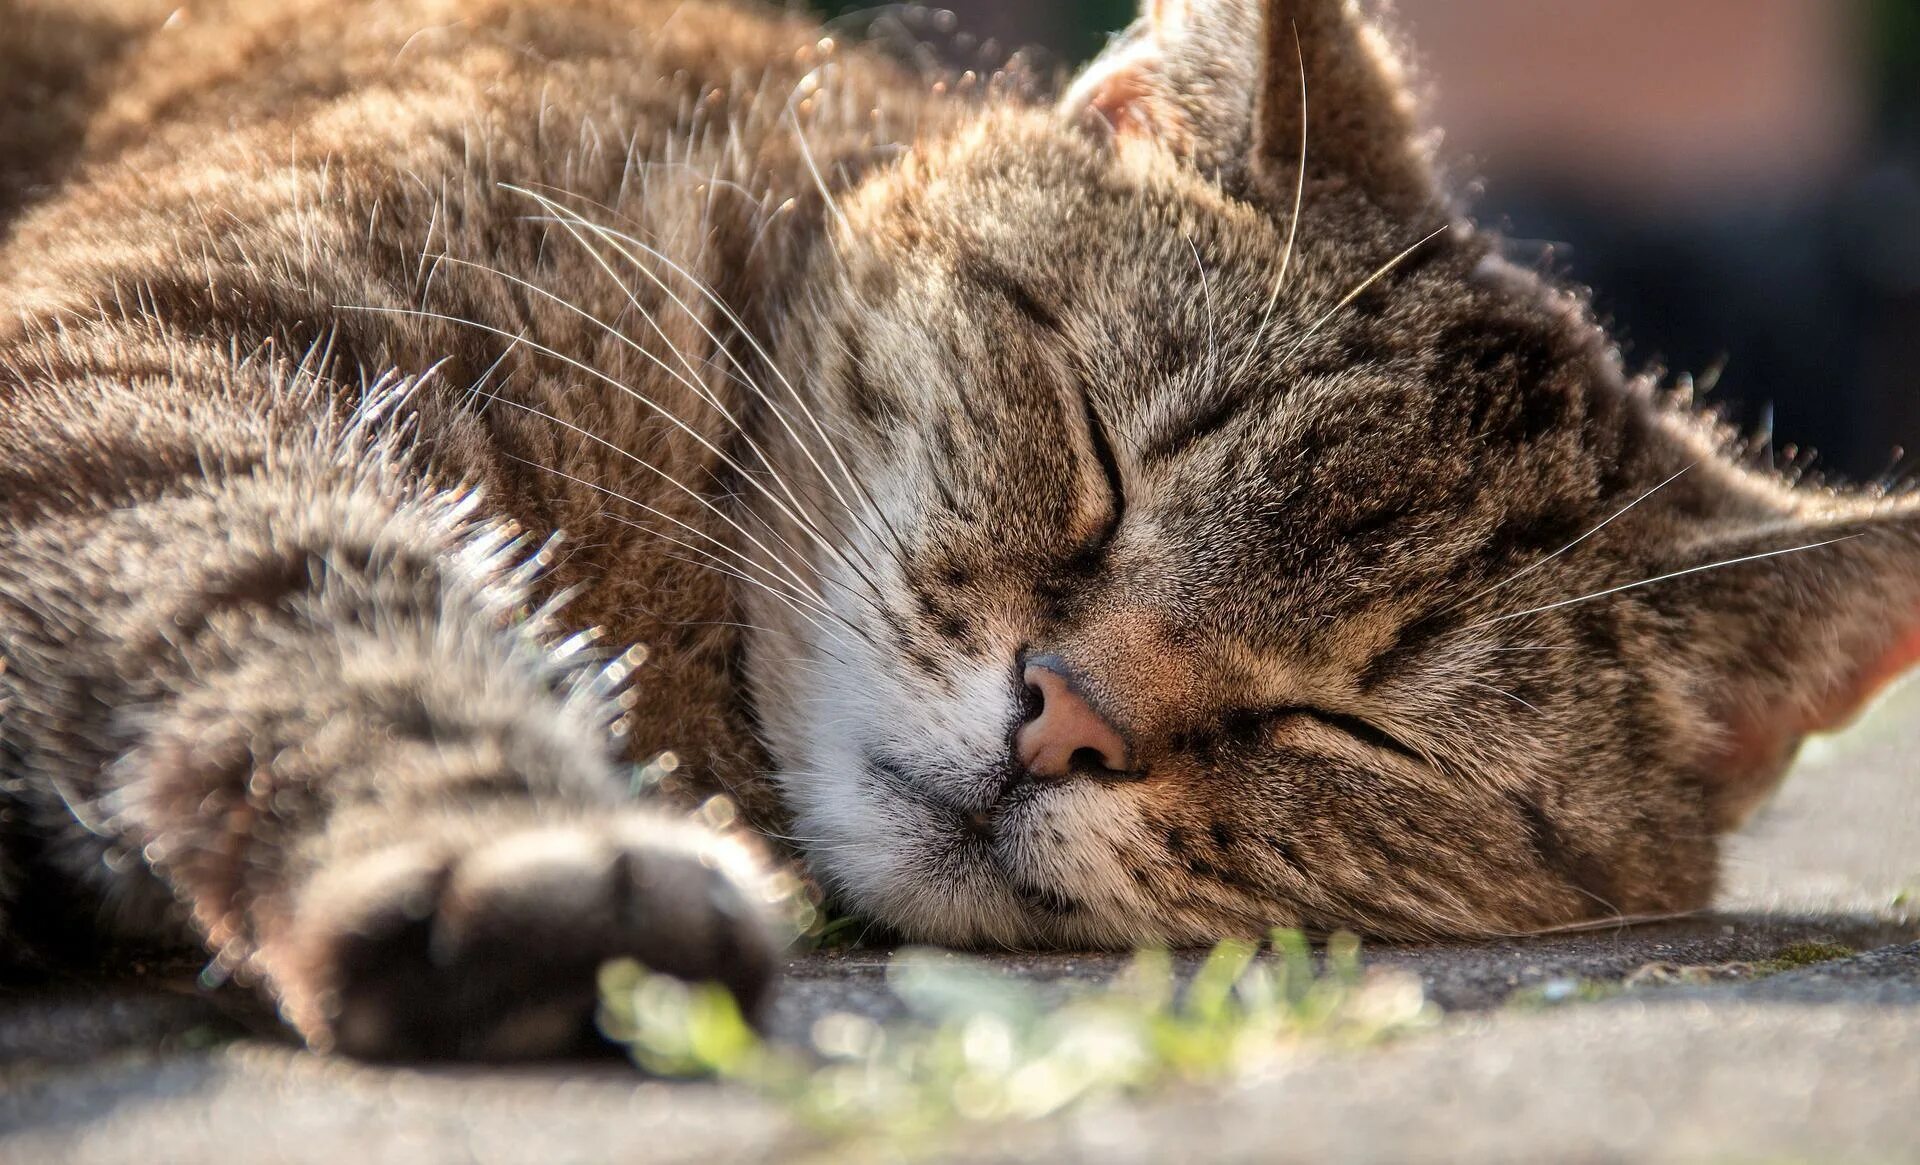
column 356, row 357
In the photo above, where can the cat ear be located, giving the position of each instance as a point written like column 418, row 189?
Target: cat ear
column 1232, row 84
column 1791, row 625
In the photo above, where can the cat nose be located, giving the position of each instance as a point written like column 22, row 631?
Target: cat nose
column 1066, row 735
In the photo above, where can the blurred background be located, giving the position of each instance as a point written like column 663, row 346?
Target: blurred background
column 1738, row 180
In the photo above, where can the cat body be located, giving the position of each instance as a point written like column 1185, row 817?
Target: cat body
column 1150, row 515
column 228, row 400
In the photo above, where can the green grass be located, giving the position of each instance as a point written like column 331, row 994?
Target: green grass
column 979, row 1046
column 1802, row 955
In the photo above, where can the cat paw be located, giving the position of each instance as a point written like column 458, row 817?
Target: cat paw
column 491, row 950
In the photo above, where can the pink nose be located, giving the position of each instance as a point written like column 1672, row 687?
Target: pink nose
column 1066, row 736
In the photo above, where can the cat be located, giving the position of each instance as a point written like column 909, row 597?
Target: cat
column 444, row 443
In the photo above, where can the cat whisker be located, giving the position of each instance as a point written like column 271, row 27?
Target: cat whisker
column 1360, row 289
column 806, row 150
column 721, row 568
column 690, row 380
column 766, row 224
column 806, row 599
column 569, row 219
column 1612, row 909
column 1615, row 922
column 691, row 385
column 760, row 350
column 479, row 388
column 798, row 603
column 1503, row 692
column 1745, row 558
column 878, row 599
column 1511, row 579
column 781, row 415
column 801, row 511
column 1293, row 222
column 1615, row 919
column 696, row 389
column 599, row 375
column 671, row 480
column 781, row 596
column 808, row 669
column 1206, row 289
column 704, row 178
column 744, row 626
column 795, row 839
column 807, row 594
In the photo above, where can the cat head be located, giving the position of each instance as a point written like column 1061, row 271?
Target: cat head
column 1215, row 532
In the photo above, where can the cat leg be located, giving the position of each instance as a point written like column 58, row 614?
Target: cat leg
column 310, row 696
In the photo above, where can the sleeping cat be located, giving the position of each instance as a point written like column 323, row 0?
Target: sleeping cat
column 446, row 440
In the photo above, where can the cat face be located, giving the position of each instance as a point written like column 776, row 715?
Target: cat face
column 1225, row 543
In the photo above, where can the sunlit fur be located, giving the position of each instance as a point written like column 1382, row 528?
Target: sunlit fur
column 360, row 360
column 1343, row 489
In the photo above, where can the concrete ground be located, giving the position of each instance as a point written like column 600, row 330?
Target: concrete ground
column 1818, row 1063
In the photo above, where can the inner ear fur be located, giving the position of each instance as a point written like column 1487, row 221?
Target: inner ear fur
column 1815, row 610
column 1221, row 82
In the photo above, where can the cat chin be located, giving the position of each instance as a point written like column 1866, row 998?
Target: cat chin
column 898, row 859
column 926, row 884
column 1040, row 876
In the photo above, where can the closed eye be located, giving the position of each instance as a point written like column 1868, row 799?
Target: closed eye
column 1364, row 731
column 1110, row 470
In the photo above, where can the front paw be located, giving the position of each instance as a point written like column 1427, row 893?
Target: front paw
column 488, row 947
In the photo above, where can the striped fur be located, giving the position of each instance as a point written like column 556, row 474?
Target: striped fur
column 374, row 375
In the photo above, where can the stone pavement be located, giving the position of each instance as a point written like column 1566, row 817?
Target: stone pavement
column 1816, row 1062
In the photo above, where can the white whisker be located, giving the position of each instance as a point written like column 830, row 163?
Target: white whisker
column 616, row 238
column 784, row 598
column 806, row 591
column 813, row 166
column 740, row 625
column 599, row 375
column 1660, row 579
column 1293, row 223
column 684, row 488
column 801, row 513
column 1385, row 269
column 1621, row 512
column 721, row 568
column 759, row 349
column 807, row 596
column 794, row 601
column 696, row 389
column 1503, row 692
column 1206, row 289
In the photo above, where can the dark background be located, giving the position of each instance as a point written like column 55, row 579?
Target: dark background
column 1738, row 180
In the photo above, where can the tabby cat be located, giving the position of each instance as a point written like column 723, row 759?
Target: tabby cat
column 446, row 441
